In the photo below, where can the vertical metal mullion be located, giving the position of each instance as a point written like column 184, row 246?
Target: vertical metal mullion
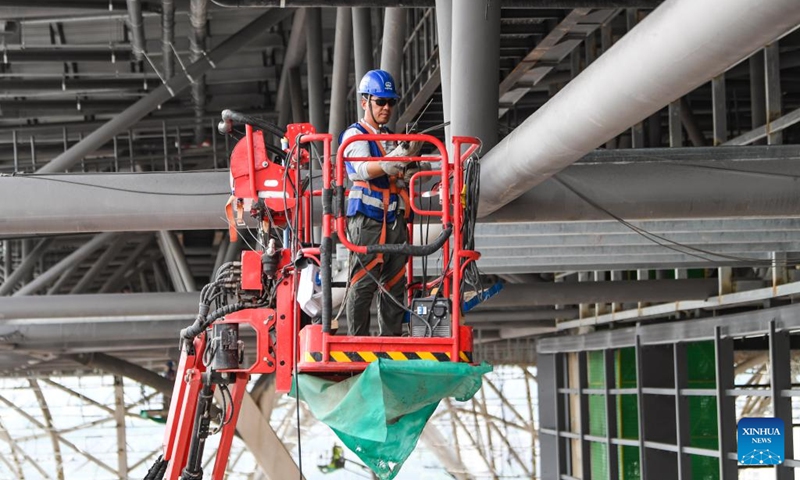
column 33, row 152
column 682, row 439
column 719, row 109
column 583, row 401
column 16, row 150
column 772, row 75
column 116, row 154
column 640, row 405
column 178, row 146
column 675, row 127
column 130, row 148
column 561, row 455
column 611, row 415
column 780, row 381
column 214, row 144
column 164, row 138
column 726, row 406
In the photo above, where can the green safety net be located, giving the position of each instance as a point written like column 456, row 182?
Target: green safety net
column 381, row 413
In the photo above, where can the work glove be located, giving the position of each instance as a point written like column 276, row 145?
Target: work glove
column 392, row 168
column 413, row 168
column 406, row 149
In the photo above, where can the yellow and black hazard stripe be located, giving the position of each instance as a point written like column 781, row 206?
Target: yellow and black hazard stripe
column 369, row 356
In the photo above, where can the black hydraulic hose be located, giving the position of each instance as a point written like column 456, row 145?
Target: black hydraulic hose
column 413, row 250
column 202, row 420
column 158, row 469
column 325, row 258
column 229, row 117
column 202, row 322
column 325, row 273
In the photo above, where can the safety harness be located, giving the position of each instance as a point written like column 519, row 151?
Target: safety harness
column 376, row 199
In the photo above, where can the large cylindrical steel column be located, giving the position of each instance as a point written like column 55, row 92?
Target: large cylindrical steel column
column 295, row 52
column 341, row 70
column 362, row 47
column 316, row 87
column 394, row 36
column 175, row 85
column 475, row 62
column 678, row 47
column 444, row 29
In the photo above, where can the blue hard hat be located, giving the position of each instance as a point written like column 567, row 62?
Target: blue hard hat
column 378, row 83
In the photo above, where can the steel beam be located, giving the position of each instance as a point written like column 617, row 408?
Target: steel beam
column 67, row 308
column 617, row 90
column 67, row 262
column 27, row 265
column 546, row 293
column 474, row 100
column 174, row 86
column 48, row 422
column 642, row 184
column 99, row 264
column 539, row 4
column 115, row 281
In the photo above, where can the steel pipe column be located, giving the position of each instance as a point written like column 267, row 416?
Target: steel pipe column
column 394, row 37
column 444, row 30
column 295, row 52
column 136, row 23
column 174, row 86
column 167, row 37
column 198, row 17
column 678, row 47
column 341, row 69
column 316, row 80
column 362, row 46
column 475, row 62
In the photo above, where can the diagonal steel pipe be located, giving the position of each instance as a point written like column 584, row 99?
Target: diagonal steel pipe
column 678, row 47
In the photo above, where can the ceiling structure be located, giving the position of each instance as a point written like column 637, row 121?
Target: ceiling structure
column 672, row 191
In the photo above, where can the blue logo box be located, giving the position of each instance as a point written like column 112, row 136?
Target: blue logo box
column 760, row 441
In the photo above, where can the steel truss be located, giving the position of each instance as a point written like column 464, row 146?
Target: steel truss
column 495, row 434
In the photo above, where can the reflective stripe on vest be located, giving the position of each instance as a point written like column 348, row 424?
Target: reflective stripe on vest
column 367, row 197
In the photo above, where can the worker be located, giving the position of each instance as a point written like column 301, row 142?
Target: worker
column 377, row 211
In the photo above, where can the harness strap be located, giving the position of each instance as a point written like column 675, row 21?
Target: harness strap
column 399, row 276
column 361, row 273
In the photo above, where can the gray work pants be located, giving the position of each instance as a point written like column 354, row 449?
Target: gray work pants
column 362, row 230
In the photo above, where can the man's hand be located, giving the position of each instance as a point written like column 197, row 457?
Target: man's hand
column 413, row 168
column 392, row 168
column 406, row 149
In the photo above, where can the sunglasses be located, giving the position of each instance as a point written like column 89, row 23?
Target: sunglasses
column 381, row 102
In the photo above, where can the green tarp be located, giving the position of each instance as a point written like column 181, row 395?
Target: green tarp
column 381, row 413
